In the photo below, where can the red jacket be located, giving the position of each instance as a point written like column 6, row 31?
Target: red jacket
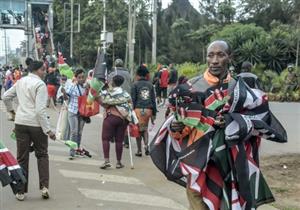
column 164, row 78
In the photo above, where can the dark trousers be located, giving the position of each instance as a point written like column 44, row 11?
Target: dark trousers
column 26, row 135
column 113, row 126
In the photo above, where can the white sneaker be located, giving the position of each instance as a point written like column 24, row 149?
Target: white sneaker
column 20, row 196
column 45, row 193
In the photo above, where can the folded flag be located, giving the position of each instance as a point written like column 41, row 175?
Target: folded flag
column 10, row 171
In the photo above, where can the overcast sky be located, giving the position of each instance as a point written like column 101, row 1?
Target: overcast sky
column 16, row 36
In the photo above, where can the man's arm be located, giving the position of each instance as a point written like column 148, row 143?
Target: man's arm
column 153, row 97
column 41, row 106
column 133, row 95
column 8, row 97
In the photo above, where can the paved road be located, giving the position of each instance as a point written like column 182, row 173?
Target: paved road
column 80, row 184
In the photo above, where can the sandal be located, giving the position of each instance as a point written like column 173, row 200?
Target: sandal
column 105, row 165
column 119, row 165
column 138, row 154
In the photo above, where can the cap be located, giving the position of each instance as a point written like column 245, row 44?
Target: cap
column 118, row 62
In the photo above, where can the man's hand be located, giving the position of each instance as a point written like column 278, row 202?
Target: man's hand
column 153, row 118
column 51, row 135
column 63, row 90
column 13, row 115
column 177, row 126
column 220, row 121
column 64, row 94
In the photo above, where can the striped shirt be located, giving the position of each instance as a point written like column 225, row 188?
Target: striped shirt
column 73, row 93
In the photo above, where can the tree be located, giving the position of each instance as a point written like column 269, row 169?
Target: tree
column 87, row 41
column 243, row 40
column 202, row 37
column 263, row 12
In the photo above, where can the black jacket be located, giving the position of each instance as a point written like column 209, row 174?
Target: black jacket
column 173, row 76
column 143, row 95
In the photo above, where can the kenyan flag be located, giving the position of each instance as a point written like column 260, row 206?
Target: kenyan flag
column 10, row 171
column 217, row 98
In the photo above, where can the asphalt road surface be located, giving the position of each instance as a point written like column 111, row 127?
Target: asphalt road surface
column 80, row 184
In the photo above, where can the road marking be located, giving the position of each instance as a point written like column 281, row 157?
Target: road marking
column 100, row 177
column 79, row 160
column 131, row 198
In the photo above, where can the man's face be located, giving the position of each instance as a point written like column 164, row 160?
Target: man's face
column 41, row 72
column 80, row 78
column 51, row 69
column 217, row 59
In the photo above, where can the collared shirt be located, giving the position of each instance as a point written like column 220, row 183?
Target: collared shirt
column 32, row 96
column 73, row 93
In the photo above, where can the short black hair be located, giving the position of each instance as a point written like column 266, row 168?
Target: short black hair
column 142, row 71
column 64, row 77
column 28, row 61
column 246, row 66
column 35, row 65
column 118, row 80
column 52, row 65
column 78, row 71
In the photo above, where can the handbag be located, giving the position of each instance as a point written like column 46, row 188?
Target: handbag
column 134, row 130
column 85, row 109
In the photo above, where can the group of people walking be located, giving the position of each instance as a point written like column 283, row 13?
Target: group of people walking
column 125, row 100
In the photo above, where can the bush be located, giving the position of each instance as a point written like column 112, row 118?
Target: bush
column 190, row 69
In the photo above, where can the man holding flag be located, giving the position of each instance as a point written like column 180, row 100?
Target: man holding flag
column 210, row 143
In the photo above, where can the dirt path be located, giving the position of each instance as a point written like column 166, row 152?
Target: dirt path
column 282, row 173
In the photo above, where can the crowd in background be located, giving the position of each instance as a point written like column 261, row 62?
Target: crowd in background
column 144, row 97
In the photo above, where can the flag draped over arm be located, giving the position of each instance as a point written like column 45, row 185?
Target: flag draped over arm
column 221, row 164
column 10, row 171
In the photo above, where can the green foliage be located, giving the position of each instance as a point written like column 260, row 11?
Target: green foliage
column 252, row 43
column 190, row 69
column 264, row 31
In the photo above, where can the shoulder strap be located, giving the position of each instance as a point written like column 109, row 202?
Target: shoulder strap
column 79, row 90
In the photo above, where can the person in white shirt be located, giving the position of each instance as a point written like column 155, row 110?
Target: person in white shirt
column 31, row 124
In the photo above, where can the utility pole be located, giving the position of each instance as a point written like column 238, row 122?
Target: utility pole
column 131, row 33
column 154, row 32
column 104, row 26
column 128, row 34
column 71, row 31
column 298, row 40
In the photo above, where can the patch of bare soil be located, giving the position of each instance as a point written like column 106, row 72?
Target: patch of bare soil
column 282, row 173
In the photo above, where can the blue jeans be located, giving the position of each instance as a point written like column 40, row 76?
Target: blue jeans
column 76, row 127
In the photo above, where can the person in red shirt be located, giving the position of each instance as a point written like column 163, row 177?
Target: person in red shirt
column 163, row 83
